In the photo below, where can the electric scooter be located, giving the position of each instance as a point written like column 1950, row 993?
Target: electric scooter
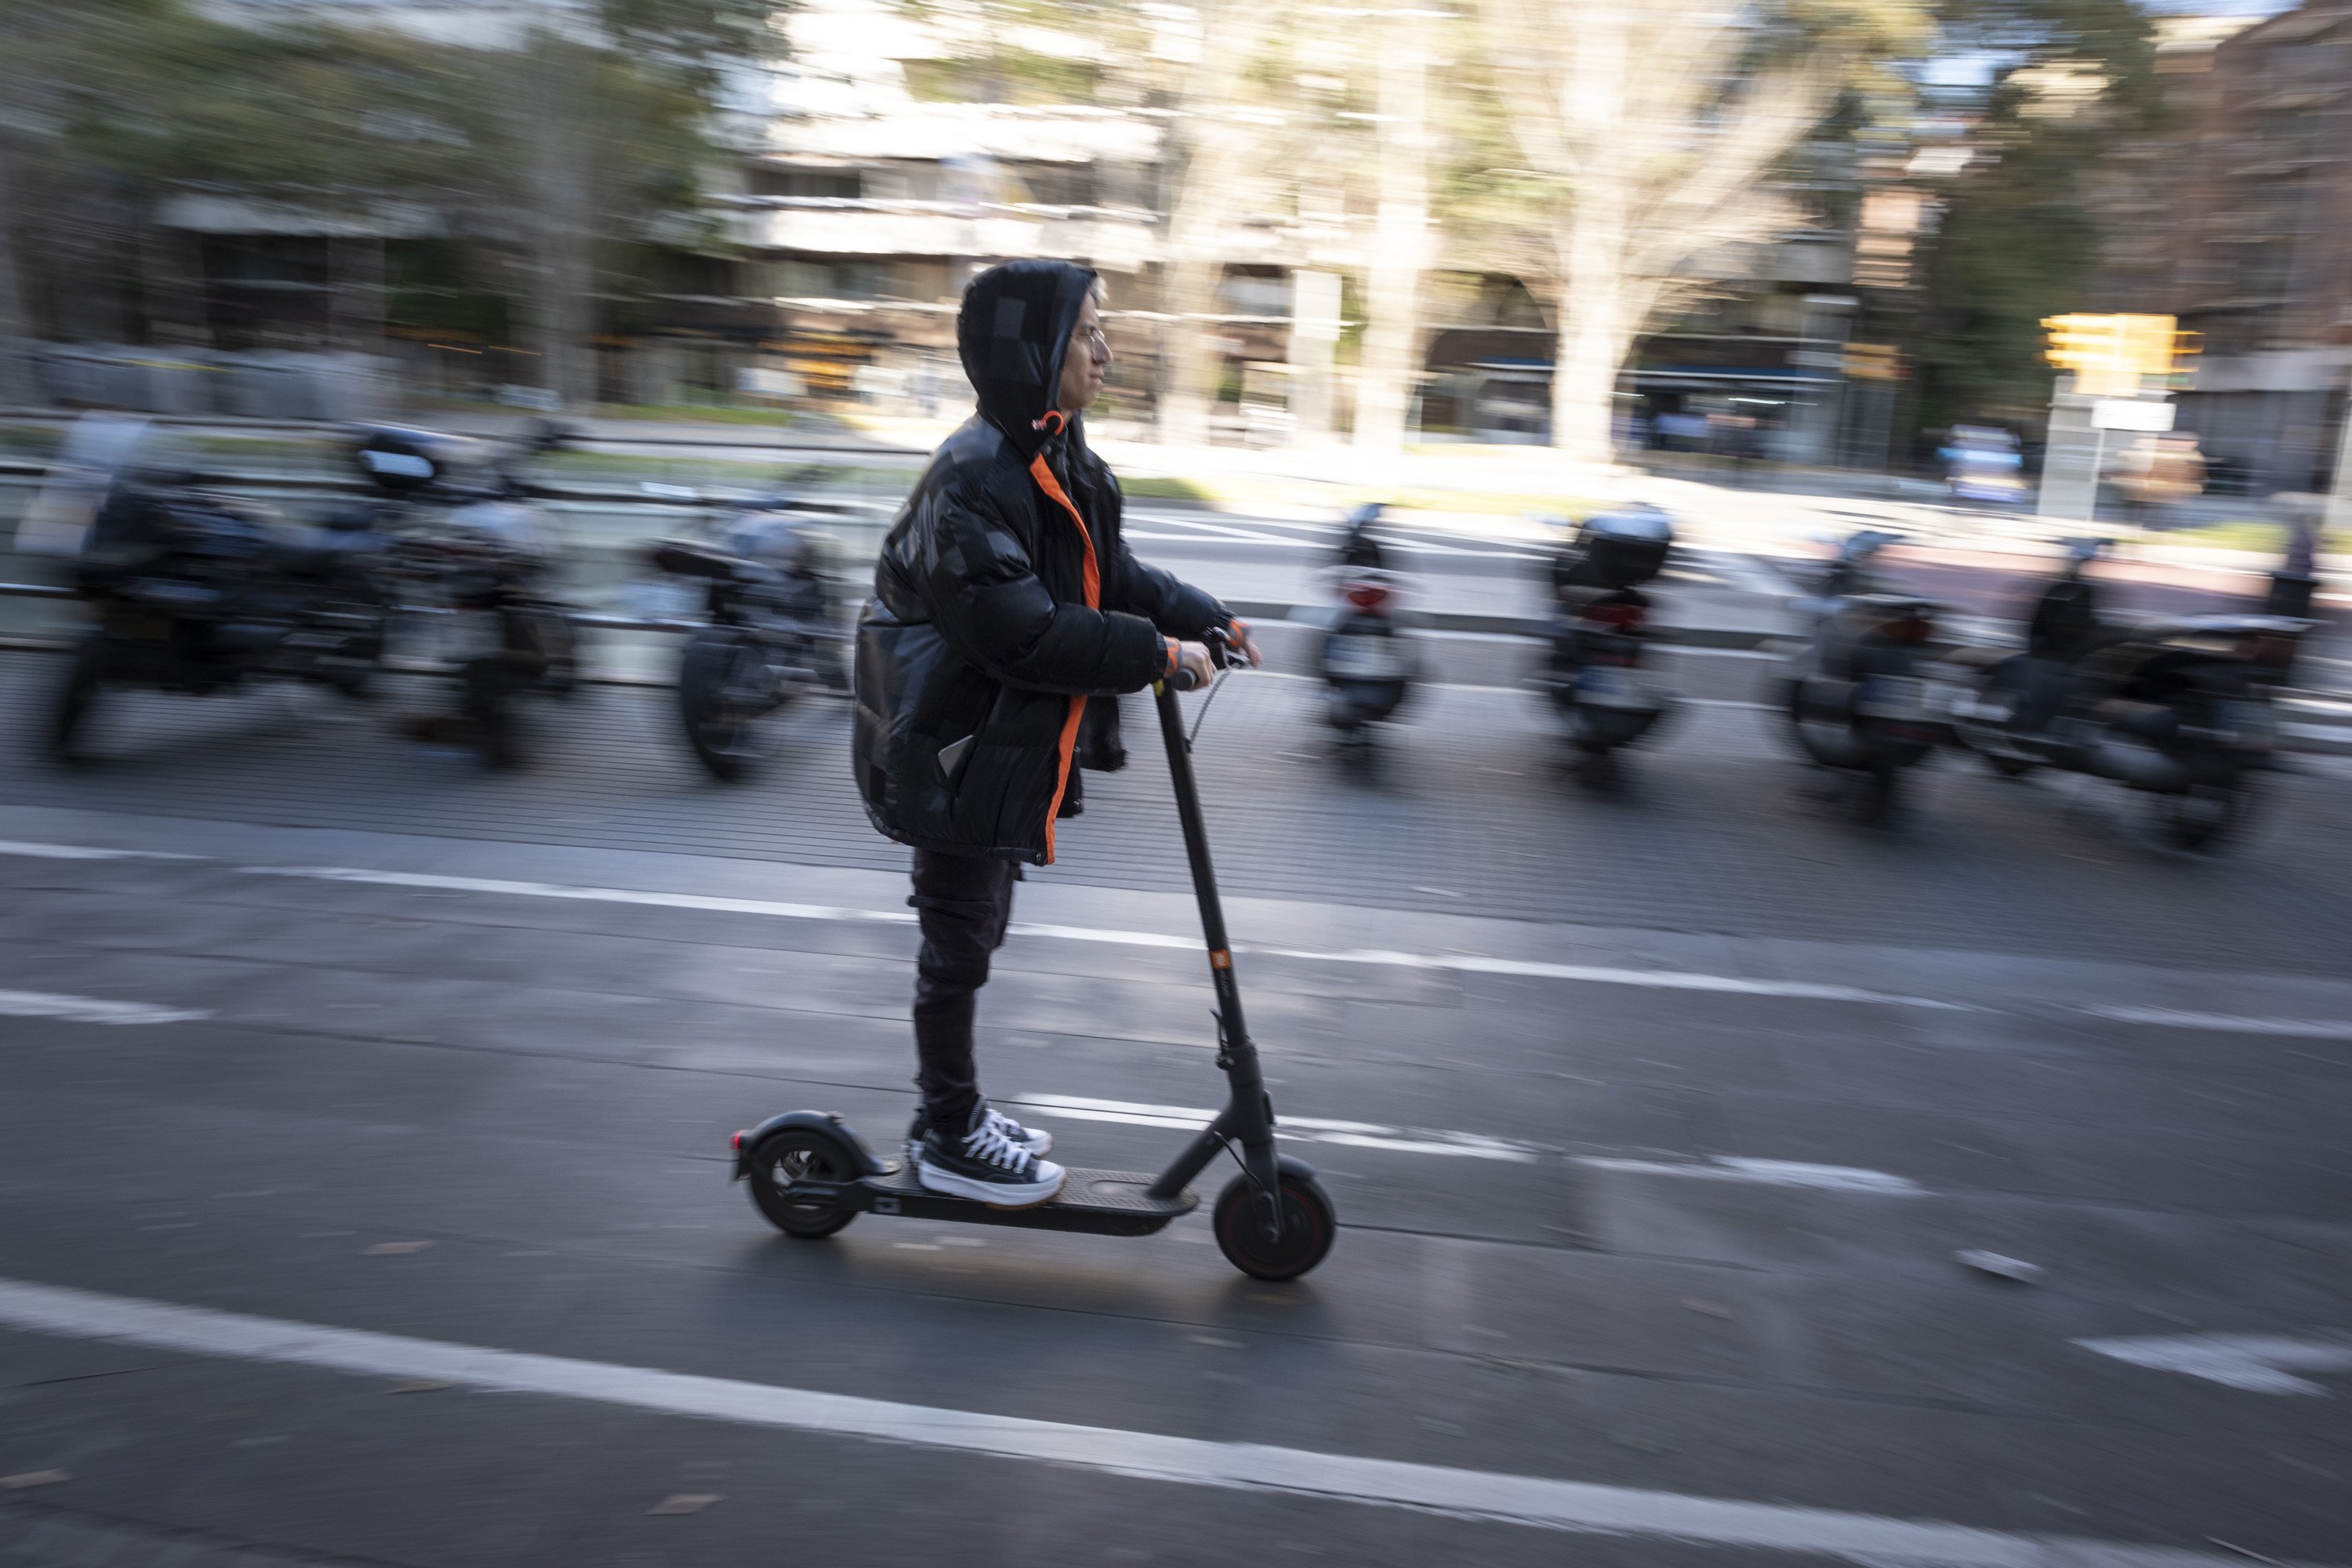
column 811, row 1173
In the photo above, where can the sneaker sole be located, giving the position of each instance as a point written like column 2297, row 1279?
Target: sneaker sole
column 994, row 1195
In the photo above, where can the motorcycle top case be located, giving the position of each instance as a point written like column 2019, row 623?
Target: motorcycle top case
column 1621, row 549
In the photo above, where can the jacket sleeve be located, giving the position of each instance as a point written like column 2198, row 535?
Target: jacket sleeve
column 1173, row 606
column 1168, row 602
column 987, row 601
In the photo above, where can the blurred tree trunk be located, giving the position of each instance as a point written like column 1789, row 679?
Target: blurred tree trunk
column 1655, row 124
column 1213, row 181
column 17, row 388
column 1391, row 365
column 561, row 137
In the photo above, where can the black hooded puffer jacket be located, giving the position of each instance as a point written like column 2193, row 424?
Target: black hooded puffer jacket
column 1004, row 597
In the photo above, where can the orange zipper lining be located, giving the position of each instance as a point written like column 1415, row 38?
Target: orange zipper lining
column 1043, row 472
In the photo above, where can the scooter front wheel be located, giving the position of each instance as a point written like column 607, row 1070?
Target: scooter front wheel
column 1309, row 1224
column 801, row 1154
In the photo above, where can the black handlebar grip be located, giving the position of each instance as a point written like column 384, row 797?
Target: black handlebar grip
column 1183, row 680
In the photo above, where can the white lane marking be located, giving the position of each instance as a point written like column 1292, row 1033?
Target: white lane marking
column 2259, row 1363
column 2171, row 1019
column 1600, row 975
column 1484, row 1495
column 1463, row 963
column 768, row 907
column 1768, row 1173
column 1749, row 573
column 91, row 1009
column 84, row 852
column 1200, row 532
column 1303, row 1128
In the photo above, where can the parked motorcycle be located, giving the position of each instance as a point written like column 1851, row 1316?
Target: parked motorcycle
column 1363, row 656
column 1599, row 628
column 1862, row 694
column 2178, row 708
column 474, row 548
column 195, row 591
column 771, row 631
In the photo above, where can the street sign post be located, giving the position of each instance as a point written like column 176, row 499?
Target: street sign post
column 2113, row 360
column 2132, row 414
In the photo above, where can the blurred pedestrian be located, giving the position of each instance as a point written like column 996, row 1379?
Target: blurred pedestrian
column 2297, row 582
column 1005, row 599
column 2157, row 474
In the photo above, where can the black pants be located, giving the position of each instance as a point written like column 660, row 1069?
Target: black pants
column 965, row 901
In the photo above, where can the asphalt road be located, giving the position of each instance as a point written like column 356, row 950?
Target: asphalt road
column 366, row 1197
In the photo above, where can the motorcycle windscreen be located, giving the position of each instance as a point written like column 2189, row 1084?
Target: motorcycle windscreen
column 100, row 451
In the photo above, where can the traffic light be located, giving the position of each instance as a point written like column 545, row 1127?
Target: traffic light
column 2092, row 347
column 1873, row 362
column 2186, row 346
column 2146, row 350
column 2110, row 354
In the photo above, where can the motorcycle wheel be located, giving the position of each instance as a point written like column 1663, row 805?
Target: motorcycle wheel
column 1882, row 794
column 1988, row 738
column 1597, row 769
column 491, row 712
column 727, row 733
column 78, row 693
column 2206, row 817
column 1809, row 734
column 357, row 679
column 559, row 642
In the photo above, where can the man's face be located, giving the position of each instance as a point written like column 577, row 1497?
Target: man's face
column 1085, row 363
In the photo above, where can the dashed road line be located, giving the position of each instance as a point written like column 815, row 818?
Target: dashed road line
column 91, row 1009
column 1767, row 1173
column 1483, row 1495
column 84, row 852
column 1301, row 1129
column 2257, row 1363
column 1447, row 962
column 2226, row 1023
column 1458, row 963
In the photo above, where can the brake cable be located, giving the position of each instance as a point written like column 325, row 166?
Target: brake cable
column 1203, row 717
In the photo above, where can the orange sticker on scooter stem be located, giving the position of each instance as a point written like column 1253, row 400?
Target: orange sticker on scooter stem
column 1220, row 959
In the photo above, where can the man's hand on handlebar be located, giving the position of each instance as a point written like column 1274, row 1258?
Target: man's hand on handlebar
column 1194, row 668
column 1239, row 644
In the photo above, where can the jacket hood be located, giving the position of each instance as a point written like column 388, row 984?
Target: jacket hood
column 1012, row 332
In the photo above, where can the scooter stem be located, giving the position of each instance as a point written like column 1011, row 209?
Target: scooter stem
column 1248, row 1116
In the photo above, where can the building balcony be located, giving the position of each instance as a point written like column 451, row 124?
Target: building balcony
column 1117, row 239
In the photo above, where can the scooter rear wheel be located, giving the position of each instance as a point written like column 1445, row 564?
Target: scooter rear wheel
column 801, row 1154
column 1309, row 1224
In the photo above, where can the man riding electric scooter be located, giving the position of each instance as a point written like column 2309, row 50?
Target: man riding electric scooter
column 1005, row 599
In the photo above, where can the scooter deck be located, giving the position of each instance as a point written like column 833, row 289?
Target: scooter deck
column 1101, row 1202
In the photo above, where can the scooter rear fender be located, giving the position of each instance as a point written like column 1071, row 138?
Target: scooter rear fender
column 823, row 1121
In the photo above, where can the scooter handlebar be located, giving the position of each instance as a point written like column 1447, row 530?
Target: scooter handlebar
column 1220, row 644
